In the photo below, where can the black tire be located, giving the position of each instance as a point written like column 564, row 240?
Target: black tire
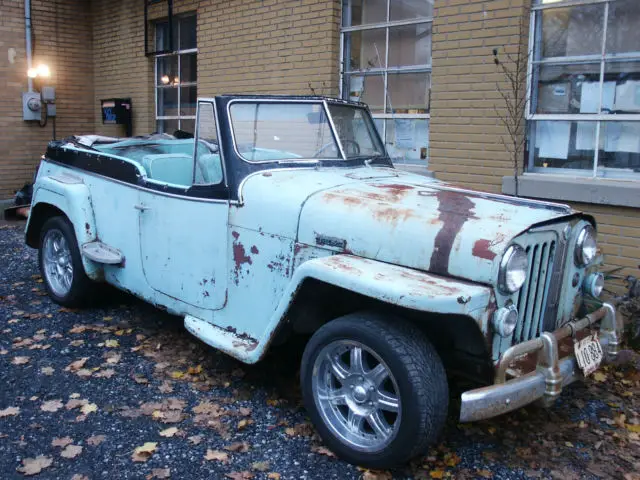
column 420, row 378
column 79, row 294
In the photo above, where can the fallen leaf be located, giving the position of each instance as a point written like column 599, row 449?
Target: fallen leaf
column 61, row 442
column 112, row 343
column 20, row 360
column 77, row 476
column 76, row 343
column 485, row 473
column 239, row 447
column 77, row 365
column 47, row 370
column 159, row 473
column 273, row 476
column 84, row 373
column 165, row 387
column 242, row 424
column 107, row 319
column 9, row 411
column 632, row 428
column 244, row 411
column 218, row 455
column 89, row 408
column 95, row 440
column 113, row 358
column 195, row 439
column 33, row 466
column 436, row 473
column 106, row 373
column 144, row 452
column 240, row 475
column 169, row 432
column 71, row 451
column 322, row 451
column 260, row 466
column 51, row 406
column 76, row 403
column 600, row 377
column 177, row 375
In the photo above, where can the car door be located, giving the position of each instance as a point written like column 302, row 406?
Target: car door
column 183, row 220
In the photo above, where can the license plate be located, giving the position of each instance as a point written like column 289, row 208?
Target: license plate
column 588, row 354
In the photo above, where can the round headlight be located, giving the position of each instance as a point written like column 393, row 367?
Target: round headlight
column 513, row 269
column 585, row 251
column 505, row 320
column 594, row 284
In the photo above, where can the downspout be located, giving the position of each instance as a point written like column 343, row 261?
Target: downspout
column 27, row 28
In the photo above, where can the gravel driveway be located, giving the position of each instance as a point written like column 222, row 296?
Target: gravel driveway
column 80, row 391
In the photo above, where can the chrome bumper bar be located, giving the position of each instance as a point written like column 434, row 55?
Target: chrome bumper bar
column 551, row 374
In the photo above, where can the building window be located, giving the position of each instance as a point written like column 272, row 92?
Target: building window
column 584, row 105
column 386, row 63
column 176, row 76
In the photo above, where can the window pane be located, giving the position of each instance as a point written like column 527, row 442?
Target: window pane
column 167, row 102
column 365, row 11
column 365, row 49
column 622, row 87
column 188, row 98
column 188, row 125
column 356, row 131
column 410, row 9
column 573, row 88
column 187, row 32
column 162, row 36
column 188, row 68
column 368, row 89
column 208, row 165
column 410, row 45
column 563, row 144
column 408, row 92
column 623, row 34
column 619, row 147
column 167, row 70
column 408, row 140
column 272, row 131
column 167, row 126
column 572, row 31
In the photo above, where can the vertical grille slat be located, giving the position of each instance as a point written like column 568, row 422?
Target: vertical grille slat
column 532, row 298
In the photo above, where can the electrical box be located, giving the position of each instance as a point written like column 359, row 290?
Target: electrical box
column 117, row 111
column 31, row 106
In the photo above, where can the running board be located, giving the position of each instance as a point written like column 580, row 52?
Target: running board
column 240, row 346
column 102, row 253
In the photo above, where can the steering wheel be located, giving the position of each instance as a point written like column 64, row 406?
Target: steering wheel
column 356, row 147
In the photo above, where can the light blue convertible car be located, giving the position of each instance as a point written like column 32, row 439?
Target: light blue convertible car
column 284, row 216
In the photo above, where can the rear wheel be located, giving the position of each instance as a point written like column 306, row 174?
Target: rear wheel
column 375, row 388
column 61, row 264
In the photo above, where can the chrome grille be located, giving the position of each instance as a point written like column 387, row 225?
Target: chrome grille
column 532, row 298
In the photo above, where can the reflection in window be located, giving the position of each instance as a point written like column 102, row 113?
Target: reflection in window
column 176, row 76
column 387, row 65
column 585, row 106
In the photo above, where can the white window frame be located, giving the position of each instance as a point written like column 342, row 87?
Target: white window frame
column 384, row 72
column 156, row 86
column 601, row 58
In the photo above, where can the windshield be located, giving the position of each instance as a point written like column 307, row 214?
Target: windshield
column 272, row 131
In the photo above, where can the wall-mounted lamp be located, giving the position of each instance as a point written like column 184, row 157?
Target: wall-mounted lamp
column 41, row 71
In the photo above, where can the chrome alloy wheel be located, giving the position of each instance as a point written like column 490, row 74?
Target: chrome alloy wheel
column 356, row 395
column 58, row 267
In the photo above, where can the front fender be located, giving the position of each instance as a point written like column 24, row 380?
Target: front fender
column 70, row 195
column 391, row 284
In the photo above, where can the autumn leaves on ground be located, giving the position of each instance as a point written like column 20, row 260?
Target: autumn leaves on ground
column 122, row 391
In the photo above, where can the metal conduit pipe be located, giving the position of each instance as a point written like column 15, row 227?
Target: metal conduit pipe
column 27, row 29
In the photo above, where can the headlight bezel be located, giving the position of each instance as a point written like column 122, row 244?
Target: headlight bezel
column 513, row 253
column 586, row 233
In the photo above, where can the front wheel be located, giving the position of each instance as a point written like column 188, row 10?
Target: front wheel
column 375, row 388
column 61, row 264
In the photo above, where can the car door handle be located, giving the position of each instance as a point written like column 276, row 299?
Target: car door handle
column 141, row 207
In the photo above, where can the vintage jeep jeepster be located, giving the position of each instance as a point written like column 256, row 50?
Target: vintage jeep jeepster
column 285, row 216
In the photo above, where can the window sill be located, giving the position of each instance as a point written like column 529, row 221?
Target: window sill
column 600, row 191
column 419, row 169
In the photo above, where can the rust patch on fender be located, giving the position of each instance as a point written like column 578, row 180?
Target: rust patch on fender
column 455, row 209
column 481, row 249
column 255, row 250
column 240, row 257
column 339, row 264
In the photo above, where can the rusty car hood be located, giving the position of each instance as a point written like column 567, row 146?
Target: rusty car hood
column 420, row 223
column 391, row 216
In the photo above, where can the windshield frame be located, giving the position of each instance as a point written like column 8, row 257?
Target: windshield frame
column 325, row 106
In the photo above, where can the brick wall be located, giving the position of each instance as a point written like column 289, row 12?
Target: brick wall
column 465, row 107
column 62, row 40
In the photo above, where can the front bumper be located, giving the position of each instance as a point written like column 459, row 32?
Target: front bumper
column 551, row 374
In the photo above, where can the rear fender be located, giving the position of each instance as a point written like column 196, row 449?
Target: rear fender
column 388, row 283
column 71, row 196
